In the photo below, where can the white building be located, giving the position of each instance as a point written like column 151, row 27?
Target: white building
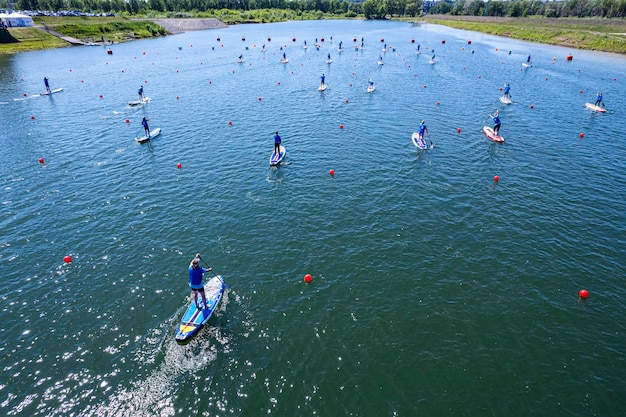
column 13, row 20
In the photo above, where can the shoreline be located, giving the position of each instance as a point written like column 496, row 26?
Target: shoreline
column 176, row 25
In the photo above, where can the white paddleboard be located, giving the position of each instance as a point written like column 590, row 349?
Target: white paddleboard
column 380, row 62
column 526, row 64
column 431, row 62
column 329, row 61
column 139, row 102
column 420, row 143
column 370, row 88
column 322, row 87
column 277, row 159
column 284, row 61
column 505, row 100
column 56, row 90
column 154, row 133
column 595, row 108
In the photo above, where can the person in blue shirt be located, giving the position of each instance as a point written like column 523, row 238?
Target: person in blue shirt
column 323, row 78
column 196, row 274
column 418, row 47
column 423, row 129
column 599, row 99
column 340, row 43
column 507, row 88
column 277, row 142
column 496, row 121
column 45, row 82
column 528, row 60
column 329, row 57
column 140, row 92
column 284, row 56
column 144, row 123
column 371, row 83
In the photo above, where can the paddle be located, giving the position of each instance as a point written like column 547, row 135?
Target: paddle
column 209, row 269
column 432, row 145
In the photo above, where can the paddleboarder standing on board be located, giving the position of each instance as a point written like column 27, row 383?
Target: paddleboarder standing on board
column 196, row 273
column 507, row 88
column 144, row 123
column 599, row 99
column 277, row 142
column 323, row 78
column 528, row 60
column 423, row 129
column 45, row 81
column 496, row 121
column 140, row 92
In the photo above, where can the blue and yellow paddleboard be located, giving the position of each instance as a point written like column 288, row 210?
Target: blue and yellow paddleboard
column 194, row 319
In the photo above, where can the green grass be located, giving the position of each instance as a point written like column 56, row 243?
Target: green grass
column 600, row 35
column 29, row 39
column 117, row 29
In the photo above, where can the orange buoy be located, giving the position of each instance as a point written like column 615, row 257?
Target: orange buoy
column 331, row 172
column 67, row 259
column 496, row 178
column 41, row 161
column 308, row 278
column 583, row 294
column 179, row 165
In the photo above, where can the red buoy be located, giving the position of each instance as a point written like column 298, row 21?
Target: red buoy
column 438, row 103
column 308, row 278
column 532, row 106
column 582, row 135
column 41, row 160
column 331, row 172
column 496, row 178
column 179, row 165
column 67, row 259
column 347, row 101
column 25, row 95
column 340, row 126
column 230, row 123
column 127, row 120
column 581, row 91
column 412, row 40
column 32, row 117
column 458, row 130
column 583, row 294
column 425, row 86
column 259, row 98
column 100, row 95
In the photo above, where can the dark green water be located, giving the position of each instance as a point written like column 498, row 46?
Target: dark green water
column 436, row 290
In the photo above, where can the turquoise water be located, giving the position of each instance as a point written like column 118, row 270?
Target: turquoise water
column 436, row 290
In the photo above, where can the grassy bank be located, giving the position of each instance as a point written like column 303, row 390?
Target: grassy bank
column 608, row 35
column 115, row 29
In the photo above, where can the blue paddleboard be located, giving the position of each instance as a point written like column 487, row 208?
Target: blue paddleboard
column 194, row 319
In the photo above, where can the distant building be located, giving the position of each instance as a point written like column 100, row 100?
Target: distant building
column 15, row 20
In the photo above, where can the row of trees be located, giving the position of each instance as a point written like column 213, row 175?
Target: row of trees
column 524, row 8
column 371, row 9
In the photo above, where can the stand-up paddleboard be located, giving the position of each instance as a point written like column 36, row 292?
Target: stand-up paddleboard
column 526, row 64
column 420, row 143
column 595, row 108
column 339, row 50
column 431, row 61
column 277, row 159
column 241, row 61
column 322, row 87
column 154, row 133
column 139, row 102
column 194, row 319
column 489, row 132
column 380, row 62
column 370, row 88
column 505, row 100
column 284, row 61
column 329, row 61
column 46, row 93
column 384, row 49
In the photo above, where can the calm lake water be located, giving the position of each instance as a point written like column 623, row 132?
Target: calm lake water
column 436, row 290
